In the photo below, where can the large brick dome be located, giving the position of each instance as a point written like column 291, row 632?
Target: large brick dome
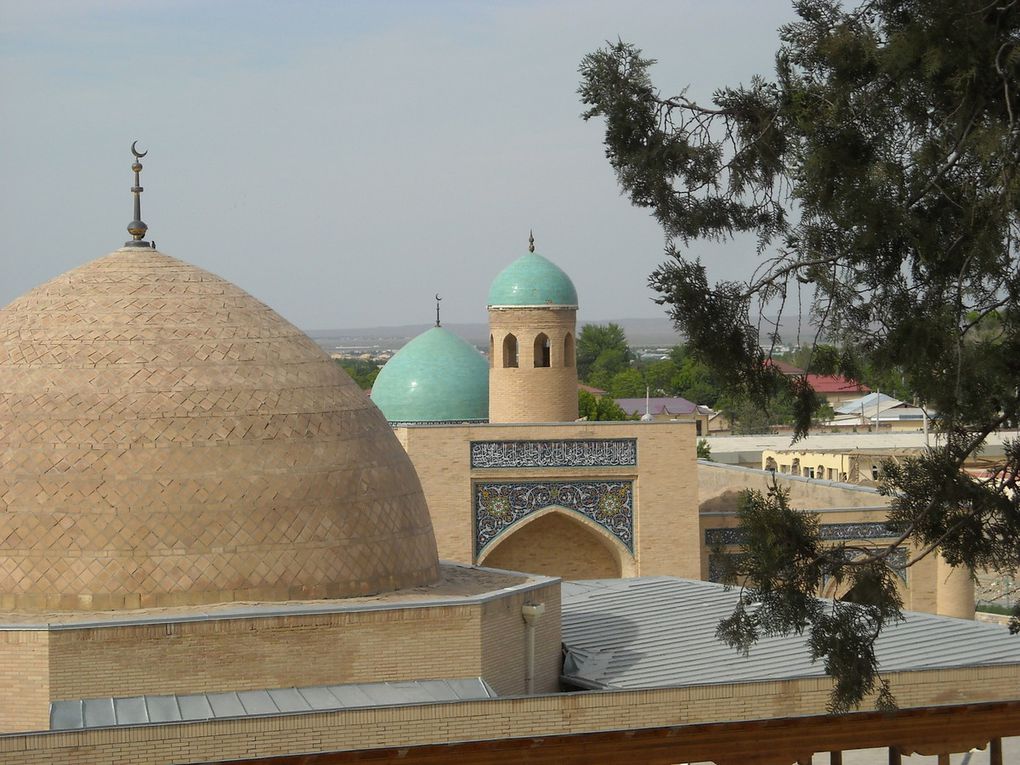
column 166, row 439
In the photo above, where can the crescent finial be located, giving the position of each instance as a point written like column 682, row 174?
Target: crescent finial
column 438, row 299
column 137, row 227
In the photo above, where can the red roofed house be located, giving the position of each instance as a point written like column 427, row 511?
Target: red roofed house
column 590, row 389
column 784, row 368
column 835, row 389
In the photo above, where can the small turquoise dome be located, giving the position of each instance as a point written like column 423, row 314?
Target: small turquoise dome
column 437, row 377
column 532, row 280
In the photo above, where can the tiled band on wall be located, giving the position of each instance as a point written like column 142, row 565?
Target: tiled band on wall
column 897, row 562
column 829, row 532
column 620, row 452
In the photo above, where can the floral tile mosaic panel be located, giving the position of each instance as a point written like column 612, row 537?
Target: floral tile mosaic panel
column 499, row 505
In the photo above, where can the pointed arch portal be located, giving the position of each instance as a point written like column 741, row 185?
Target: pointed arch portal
column 558, row 542
column 594, row 519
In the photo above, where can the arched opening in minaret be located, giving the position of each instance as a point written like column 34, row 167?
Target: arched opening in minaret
column 568, row 350
column 510, row 351
column 492, row 351
column 543, row 358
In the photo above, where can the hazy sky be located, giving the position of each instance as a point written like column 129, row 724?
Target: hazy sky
column 343, row 161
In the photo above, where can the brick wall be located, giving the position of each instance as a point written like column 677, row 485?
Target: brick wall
column 24, row 680
column 527, row 393
column 482, row 720
column 243, row 654
column 503, row 643
column 723, row 482
column 666, row 533
column 441, row 456
column 667, row 493
column 484, row 635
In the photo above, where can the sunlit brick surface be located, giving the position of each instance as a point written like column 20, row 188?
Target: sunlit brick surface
column 527, row 393
column 166, row 439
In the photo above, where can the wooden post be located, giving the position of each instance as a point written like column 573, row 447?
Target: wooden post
column 995, row 751
column 944, row 758
column 835, row 758
column 894, row 756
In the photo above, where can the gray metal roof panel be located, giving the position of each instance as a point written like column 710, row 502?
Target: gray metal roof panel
column 320, row 697
column 226, row 705
column 99, row 713
column 66, row 715
column 410, row 693
column 161, row 709
column 380, row 694
column 130, row 710
column 289, row 700
column 352, row 696
column 139, row 710
column 470, row 688
column 195, row 706
column 257, row 703
column 660, row 631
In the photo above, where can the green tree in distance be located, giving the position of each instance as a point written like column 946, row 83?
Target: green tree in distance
column 694, row 380
column 704, row 450
column 599, row 407
column 878, row 171
column 362, row 372
column 602, row 349
column 627, row 383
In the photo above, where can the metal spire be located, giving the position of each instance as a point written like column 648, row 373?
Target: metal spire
column 136, row 227
column 647, row 416
column 438, row 301
column 531, row 241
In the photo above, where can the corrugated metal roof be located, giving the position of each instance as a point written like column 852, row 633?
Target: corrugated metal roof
column 868, row 403
column 660, row 631
column 142, row 710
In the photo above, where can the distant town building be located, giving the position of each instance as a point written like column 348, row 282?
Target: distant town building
column 834, row 389
column 665, row 408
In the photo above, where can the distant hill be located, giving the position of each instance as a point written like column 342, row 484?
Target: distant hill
column 393, row 337
column 640, row 332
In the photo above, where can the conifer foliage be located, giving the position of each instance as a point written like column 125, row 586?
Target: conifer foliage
column 878, row 169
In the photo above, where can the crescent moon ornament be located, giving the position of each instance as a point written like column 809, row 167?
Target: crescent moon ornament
column 135, row 151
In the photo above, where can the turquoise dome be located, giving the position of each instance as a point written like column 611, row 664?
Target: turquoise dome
column 437, row 377
column 532, row 280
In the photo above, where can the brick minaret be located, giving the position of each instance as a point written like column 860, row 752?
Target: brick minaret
column 532, row 337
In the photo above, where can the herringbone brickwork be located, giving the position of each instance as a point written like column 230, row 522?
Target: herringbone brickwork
column 167, row 439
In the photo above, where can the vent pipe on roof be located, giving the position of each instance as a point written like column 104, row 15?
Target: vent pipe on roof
column 531, row 612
